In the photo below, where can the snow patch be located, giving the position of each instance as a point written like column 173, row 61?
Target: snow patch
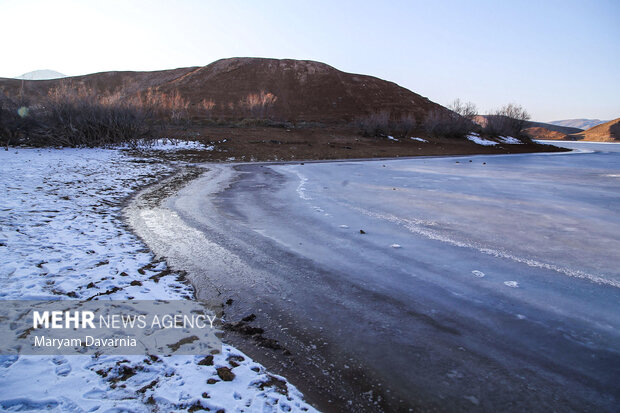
column 62, row 237
column 419, row 139
column 176, row 145
column 510, row 140
column 474, row 137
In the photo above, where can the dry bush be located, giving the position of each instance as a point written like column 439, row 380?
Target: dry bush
column 207, row 106
column 74, row 115
column 258, row 105
column 457, row 123
column 384, row 124
column 14, row 120
column 403, row 127
column 167, row 107
column 375, row 124
column 509, row 120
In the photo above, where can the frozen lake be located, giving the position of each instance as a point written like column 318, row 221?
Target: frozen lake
column 481, row 282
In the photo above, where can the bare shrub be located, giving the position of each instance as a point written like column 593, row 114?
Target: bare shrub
column 383, row 124
column 73, row 115
column 456, row 123
column 509, row 120
column 258, row 105
column 375, row 124
column 404, row 126
column 207, row 106
column 14, row 120
column 169, row 107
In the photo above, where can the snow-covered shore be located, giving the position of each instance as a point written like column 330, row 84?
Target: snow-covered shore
column 62, row 237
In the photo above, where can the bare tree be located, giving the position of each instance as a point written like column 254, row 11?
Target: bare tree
column 509, row 120
column 467, row 110
column 456, row 123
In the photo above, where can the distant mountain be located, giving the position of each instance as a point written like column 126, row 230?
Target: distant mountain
column 578, row 123
column 535, row 127
column 605, row 132
column 41, row 75
column 549, row 126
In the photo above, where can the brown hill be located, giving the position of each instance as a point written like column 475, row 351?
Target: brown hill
column 606, row 132
column 538, row 132
column 288, row 90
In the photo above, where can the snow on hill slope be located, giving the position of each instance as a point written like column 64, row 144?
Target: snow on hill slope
column 45, row 74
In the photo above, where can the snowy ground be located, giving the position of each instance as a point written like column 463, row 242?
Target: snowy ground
column 61, row 237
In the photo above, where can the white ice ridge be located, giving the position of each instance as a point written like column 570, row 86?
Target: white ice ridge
column 301, row 188
column 421, row 227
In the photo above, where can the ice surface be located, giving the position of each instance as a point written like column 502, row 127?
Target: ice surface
column 512, row 258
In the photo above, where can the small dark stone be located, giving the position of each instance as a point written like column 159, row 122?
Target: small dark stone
column 249, row 318
column 207, row 361
column 212, row 381
column 362, row 231
column 225, row 374
column 268, row 342
column 229, row 301
column 135, row 283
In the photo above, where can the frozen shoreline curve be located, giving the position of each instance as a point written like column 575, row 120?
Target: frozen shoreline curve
column 392, row 318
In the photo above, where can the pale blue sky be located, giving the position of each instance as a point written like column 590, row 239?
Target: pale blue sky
column 560, row 59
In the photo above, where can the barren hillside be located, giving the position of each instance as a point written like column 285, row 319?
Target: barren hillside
column 538, row 132
column 286, row 90
column 606, row 132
